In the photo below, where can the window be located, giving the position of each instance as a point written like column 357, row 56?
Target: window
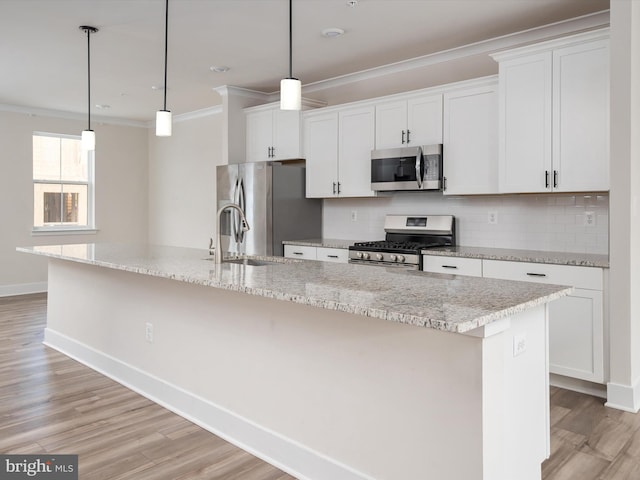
column 62, row 183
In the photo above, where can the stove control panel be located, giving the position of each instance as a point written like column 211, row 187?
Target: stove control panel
column 358, row 256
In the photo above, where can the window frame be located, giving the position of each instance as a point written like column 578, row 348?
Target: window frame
column 59, row 229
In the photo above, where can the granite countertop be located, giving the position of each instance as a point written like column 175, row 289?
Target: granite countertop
column 532, row 256
column 444, row 302
column 322, row 242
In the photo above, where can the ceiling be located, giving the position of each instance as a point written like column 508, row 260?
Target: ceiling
column 43, row 52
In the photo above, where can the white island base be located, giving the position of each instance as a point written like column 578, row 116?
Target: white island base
column 319, row 393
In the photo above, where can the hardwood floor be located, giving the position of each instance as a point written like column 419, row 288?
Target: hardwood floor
column 50, row 403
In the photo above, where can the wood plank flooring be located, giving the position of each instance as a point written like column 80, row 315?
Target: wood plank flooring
column 50, row 403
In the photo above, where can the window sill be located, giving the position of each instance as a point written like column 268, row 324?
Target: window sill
column 37, row 232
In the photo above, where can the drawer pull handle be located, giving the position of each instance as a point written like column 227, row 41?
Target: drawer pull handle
column 332, row 256
column 298, row 253
column 449, row 266
column 537, row 274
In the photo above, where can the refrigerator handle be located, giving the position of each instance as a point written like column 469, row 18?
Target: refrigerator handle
column 242, row 204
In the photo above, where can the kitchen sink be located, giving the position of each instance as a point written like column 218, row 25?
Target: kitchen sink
column 250, row 261
column 257, row 261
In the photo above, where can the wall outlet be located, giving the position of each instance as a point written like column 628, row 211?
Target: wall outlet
column 354, row 215
column 589, row 219
column 493, row 217
column 519, row 344
column 148, row 332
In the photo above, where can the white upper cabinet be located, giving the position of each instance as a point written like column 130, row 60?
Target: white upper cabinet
column 415, row 121
column 470, row 147
column 338, row 148
column 321, row 152
column 581, row 117
column 554, row 116
column 273, row 134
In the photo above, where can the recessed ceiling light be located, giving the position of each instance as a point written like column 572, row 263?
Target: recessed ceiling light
column 219, row 68
column 332, row 32
column 352, row 3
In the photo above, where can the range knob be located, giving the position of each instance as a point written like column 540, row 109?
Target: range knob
column 394, row 258
column 379, row 256
column 365, row 256
column 359, row 254
column 401, row 258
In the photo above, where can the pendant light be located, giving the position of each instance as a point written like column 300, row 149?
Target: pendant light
column 163, row 117
column 290, row 88
column 88, row 135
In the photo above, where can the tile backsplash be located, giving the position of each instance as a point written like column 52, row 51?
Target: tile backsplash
column 552, row 222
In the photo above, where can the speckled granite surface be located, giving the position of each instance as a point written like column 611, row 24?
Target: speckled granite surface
column 444, row 302
column 532, row 256
column 322, row 242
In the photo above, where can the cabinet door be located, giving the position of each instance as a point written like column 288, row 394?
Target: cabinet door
column 259, row 135
column 286, row 134
column 576, row 336
column 355, row 142
column 581, row 117
column 424, row 120
column 391, row 125
column 471, row 141
column 321, row 151
column 525, row 124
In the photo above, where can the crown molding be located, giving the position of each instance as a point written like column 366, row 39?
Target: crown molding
column 227, row 90
column 43, row 112
column 592, row 21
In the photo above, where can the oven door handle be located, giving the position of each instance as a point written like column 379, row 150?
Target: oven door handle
column 419, row 177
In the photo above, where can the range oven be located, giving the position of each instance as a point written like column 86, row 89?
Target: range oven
column 406, row 236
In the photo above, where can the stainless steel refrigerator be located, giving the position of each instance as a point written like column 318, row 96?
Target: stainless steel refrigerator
column 272, row 196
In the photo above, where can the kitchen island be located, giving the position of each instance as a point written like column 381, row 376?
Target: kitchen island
column 328, row 371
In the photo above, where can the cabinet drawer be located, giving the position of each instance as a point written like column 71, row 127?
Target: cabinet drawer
column 300, row 251
column 340, row 255
column 575, row 276
column 471, row 267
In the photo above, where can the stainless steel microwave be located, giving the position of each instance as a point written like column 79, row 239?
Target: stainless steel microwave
column 407, row 168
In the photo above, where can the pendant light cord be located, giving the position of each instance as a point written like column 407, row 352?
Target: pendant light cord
column 88, row 79
column 166, row 43
column 290, row 40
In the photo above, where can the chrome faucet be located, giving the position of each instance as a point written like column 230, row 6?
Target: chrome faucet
column 243, row 222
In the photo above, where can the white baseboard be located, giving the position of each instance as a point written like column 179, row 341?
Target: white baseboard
column 22, row 289
column 623, row 397
column 576, row 385
column 285, row 454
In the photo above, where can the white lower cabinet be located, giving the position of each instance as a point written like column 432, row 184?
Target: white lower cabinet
column 576, row 322
column 325, row 254
column 338, row 255
column 471, row 267
column 300, row 251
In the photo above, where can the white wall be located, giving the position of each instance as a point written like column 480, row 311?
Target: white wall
column 624, row 388
column 553, row 222
column 182, row 182
column 121, row 193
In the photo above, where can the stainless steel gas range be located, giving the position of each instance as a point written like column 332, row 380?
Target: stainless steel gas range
column 406, row 236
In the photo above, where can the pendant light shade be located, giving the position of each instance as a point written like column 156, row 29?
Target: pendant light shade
column 290, row 88
column 290, row 94
column 88, row 140
column 163, row 117
column 88, row 135
column 163, row 123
